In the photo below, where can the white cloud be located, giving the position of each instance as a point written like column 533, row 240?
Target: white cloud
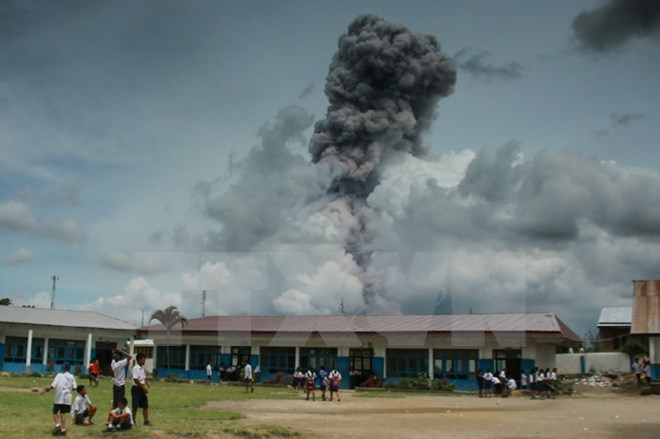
column 139, row 296
column 17, row 217
column 140, row 263
column 39, row 300
column 21, row 256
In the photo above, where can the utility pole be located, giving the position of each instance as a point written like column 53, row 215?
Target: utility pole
column 52, row 297
column 204, row 303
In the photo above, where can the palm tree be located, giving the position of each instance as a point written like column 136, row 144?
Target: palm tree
column 169, row 317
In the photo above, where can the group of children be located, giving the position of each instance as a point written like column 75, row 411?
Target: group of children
column 326, row 382
column 540, row 382
column 82, row 410
column 642, row 370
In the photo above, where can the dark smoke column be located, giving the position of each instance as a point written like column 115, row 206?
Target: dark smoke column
column 383, row 86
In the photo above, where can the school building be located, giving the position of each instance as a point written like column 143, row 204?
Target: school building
column 450, row 347
column 39, row 340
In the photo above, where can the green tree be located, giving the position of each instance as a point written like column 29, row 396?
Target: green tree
column 5, row 301
column 170, row 317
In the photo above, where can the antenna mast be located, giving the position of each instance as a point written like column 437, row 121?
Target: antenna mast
column 52, row 296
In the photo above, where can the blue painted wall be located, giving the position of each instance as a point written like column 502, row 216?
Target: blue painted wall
column 526, row 366
column 20, row 368
column 485, row 364
column 378, row 364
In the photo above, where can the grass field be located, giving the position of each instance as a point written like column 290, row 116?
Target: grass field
column 175, row 409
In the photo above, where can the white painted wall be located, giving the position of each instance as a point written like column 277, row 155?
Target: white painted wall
column 599, row 362
column 545, row 356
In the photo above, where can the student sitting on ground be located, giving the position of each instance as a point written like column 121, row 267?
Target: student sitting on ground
column 120, row 418
column 82, row 410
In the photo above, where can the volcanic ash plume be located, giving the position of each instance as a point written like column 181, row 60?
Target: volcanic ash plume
column 383, row 86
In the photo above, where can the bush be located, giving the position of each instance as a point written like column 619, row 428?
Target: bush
column 564, row 386
column 443, row 386
column 421, row 382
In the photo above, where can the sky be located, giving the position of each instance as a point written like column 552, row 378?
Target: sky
column 153, row 150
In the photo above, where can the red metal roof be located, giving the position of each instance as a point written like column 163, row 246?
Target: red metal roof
column 531, row 322
column 646, row 307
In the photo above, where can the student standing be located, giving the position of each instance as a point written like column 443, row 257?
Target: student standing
column 222, row 372
column 247, row 377
column 323, row 381
column 94, row 370
column 638, row 367
column 140, row 389
column 119, row 363
column 209, row 373
column 310, row 378
column 335, row 381
column 298, row 378
column 647, row 372
column 480, row 382
column 488, row 383
column 64, row 383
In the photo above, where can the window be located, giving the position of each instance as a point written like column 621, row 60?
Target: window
column 177, row 357
column 147, row 351
column 455, row 364
column 314, row 358
column 240, row 354
column 407, row 363
column 361, row 360
column 70, row 351
column 201, row 355
column 16, row 350
column 275, row 359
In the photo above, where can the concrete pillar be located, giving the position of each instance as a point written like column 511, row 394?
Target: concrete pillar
column 28, row 354
column 430, row 363
column 45, row 359
column 187, row 357
column 297, row 363
column 88, row 350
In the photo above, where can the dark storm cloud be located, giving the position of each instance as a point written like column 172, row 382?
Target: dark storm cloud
column 615, row 22
column 624, row 119
column 307, row 91
column 383, row 86
column 554, row 193
column 490, row 175
column 18, row 18
column 476, row 64
column 274, row 184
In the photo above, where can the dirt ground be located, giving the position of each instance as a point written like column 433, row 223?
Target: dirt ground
column 591, row 414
